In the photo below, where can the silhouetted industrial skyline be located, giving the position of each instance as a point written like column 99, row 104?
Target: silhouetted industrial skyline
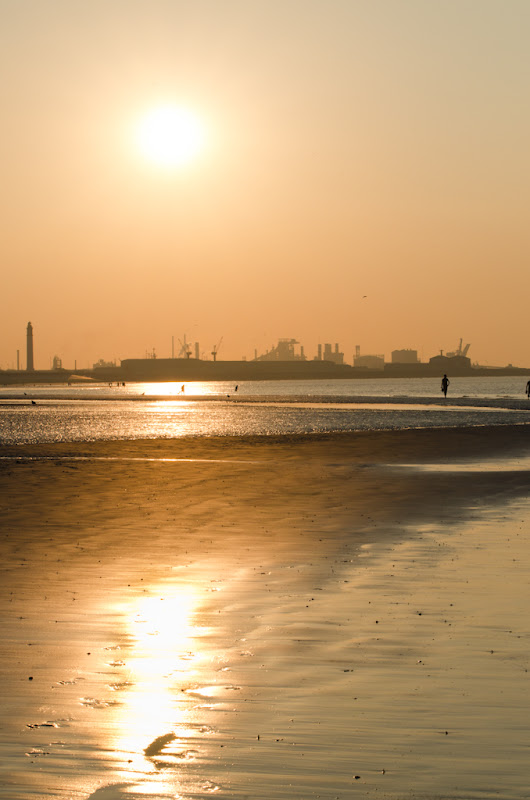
column 285, row 359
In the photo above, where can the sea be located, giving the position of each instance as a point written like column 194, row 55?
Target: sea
column 33, row 414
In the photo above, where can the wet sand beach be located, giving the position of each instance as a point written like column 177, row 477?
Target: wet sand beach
column 296, row 617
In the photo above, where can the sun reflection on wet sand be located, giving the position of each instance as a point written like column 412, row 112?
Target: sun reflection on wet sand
column 156, row 726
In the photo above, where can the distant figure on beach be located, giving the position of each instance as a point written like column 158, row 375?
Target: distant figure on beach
column 182, row 388
column 445, row 385
column 528, row 389
column 237, row 387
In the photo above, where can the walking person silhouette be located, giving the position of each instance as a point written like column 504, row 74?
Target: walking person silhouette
column 445, row 385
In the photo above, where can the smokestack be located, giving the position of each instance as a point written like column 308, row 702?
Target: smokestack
column 320, row 352
column 29, row 347
column 197, row 356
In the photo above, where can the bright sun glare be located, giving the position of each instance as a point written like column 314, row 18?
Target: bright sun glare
column 170, row 136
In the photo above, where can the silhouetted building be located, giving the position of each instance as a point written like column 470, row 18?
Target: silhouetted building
column 29, row 348
column 333, row 355
column 284, row 351
column 404, row 356
column 369, row 362
column 452, row 365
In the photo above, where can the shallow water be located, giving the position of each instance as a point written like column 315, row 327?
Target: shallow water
column 82, row 420
column 89, row 412
column 480, row 387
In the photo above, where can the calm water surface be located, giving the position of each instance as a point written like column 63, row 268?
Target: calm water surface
column 139, row 411
column 498, row 387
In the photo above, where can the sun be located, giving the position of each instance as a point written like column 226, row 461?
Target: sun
column 170, row 136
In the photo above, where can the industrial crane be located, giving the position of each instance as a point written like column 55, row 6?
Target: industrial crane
column 216, row 349
column 185, row 349
column 460, row 351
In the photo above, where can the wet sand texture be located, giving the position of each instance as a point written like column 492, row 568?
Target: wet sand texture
column 267, row 618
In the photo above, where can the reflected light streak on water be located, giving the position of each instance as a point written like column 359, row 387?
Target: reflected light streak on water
column 71, row 421
column 100, row 412
column 197, row 389
column 428, row 387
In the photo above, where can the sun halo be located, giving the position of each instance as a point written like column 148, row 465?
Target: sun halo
column 170, row 136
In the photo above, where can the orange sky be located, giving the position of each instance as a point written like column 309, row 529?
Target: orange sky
column 353, row 147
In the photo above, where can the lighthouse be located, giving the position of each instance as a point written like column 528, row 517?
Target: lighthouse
column 29, row 348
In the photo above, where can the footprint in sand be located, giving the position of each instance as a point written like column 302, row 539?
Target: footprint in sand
column 42, row 725
column 93, row 702
column 120, row 685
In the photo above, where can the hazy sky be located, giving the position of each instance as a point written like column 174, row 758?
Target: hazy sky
column 351, row 148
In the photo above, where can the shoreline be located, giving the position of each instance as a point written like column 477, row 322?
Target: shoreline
column 510, row 403
column 170, row 611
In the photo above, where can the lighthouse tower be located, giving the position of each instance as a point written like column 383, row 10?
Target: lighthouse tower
column 29, row 348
